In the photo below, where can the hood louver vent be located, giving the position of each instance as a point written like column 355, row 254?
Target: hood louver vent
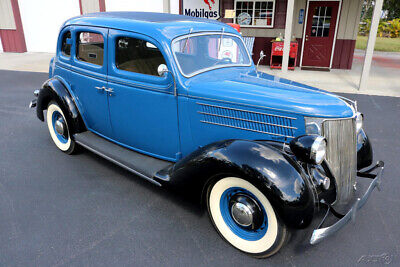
column 248, row 120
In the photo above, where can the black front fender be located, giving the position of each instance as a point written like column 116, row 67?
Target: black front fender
column 364, row 150
column 54, row 89
column 279, row 177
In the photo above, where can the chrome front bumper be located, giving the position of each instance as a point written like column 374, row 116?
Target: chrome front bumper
column 320, row 234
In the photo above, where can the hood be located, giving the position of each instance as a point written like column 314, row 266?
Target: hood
column 266, row 91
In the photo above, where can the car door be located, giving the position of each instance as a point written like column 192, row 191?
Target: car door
column 143, row 108
column 88, row 77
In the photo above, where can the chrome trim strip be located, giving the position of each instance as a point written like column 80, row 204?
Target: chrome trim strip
column 209, row 68
column 246, row 129
column 261, row 113
column 320, row 234
column 353, row 102
column 119, row 164
column 350, row 103
column 235, row 118
column 322, row 120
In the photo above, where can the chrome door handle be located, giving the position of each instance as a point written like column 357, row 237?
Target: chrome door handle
column 110, row 90
column 100, row 88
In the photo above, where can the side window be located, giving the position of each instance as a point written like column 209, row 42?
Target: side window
column 66, row 44
column 136, row 55
column 90, row 48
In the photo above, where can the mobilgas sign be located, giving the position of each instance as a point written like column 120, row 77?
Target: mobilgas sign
column 208, row 9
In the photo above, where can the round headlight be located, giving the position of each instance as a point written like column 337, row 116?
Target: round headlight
column 309, row 148
column 318, row 150
column 359, row 121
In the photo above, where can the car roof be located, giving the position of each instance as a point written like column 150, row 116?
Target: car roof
column 156, row 25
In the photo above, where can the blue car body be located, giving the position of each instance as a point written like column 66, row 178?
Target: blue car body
column 189, row 125
column 172, row 128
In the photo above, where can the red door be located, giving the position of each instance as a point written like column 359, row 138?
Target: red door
column 320, row 33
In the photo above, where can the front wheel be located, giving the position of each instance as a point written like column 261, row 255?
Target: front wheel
column 244, row 217
column 58, row 128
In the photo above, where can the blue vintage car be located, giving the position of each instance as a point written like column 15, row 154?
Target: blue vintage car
column 178, row 101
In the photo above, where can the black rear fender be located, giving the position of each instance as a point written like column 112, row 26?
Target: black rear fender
column 55, row 90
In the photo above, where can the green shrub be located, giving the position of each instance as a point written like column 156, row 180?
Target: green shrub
column 385, row 29
column 364, row 27
column 394, row 28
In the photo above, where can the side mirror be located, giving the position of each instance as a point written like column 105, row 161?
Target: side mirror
column 162, row 69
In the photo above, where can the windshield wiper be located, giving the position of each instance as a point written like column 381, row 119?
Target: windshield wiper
column 187, row 40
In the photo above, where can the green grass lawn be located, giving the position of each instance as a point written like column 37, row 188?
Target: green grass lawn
column 382, row 44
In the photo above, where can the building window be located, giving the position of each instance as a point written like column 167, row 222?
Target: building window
column 90, row 48
column 136, row 55
column 258, row 13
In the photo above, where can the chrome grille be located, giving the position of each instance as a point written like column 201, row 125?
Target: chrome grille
column 248, row 120
column 341, row 155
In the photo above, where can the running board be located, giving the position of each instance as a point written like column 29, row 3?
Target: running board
column 142, row 165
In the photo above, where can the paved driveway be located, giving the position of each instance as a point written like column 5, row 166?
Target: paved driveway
column 79, row 210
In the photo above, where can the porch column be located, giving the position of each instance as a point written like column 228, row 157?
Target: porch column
column 371, row 44
column 288, row 35
column 166, row 6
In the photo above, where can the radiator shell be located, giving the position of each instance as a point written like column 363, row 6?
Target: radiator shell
column 341, row 155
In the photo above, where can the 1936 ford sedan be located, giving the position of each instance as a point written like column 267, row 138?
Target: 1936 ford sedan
column 178, row 101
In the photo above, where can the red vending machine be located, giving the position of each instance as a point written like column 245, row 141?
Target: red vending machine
column 277, row 55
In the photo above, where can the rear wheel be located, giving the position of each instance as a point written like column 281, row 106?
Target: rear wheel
column 58, row 128
column 244, row 217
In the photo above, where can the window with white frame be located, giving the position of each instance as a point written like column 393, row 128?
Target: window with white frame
column 259, row 13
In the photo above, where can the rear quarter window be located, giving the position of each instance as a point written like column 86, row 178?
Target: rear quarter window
column 66, row 44
column 90, row 48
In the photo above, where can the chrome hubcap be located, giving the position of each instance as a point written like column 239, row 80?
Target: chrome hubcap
column 242, row 214
column 59, row 126
column 246, row 212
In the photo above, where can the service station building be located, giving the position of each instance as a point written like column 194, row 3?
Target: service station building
column 325, row 31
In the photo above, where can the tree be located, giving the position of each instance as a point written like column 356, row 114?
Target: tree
column 366, row 11
column 392, row 7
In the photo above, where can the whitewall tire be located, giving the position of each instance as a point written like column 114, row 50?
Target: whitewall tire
column 58, row 128
column 244, row 217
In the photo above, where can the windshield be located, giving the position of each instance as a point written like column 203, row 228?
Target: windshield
column 201, row 52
